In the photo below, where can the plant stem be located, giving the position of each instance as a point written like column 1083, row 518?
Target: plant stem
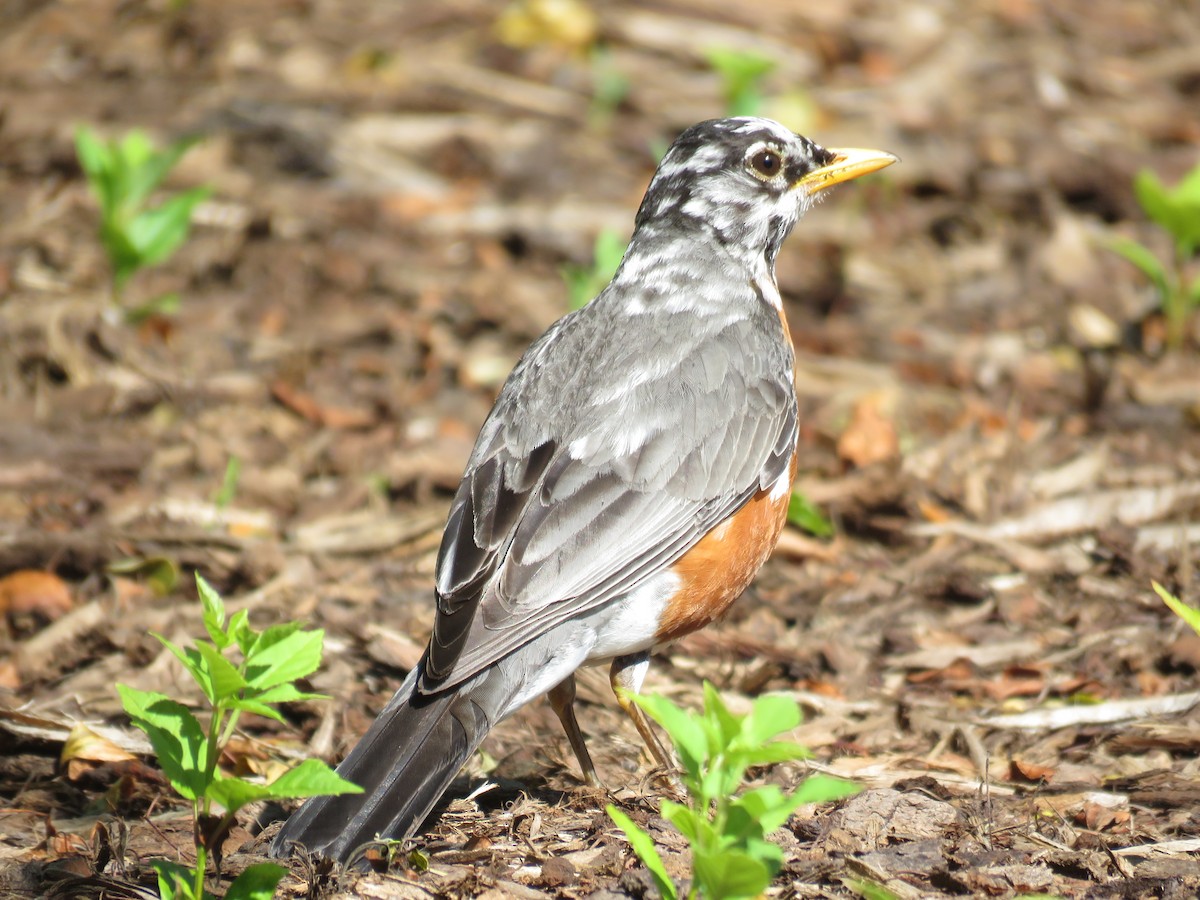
column 201, row 852
column 203, row 806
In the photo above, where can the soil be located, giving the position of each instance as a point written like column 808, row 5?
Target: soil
column 1008, row 450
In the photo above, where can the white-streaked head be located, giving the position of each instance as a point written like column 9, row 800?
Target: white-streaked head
column 744, row 182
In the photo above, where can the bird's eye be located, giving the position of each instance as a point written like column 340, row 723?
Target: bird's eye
column 766, row 163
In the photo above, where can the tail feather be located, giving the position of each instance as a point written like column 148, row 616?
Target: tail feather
column 404, row 763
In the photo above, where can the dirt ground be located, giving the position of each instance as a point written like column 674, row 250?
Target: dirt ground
column 990, row 418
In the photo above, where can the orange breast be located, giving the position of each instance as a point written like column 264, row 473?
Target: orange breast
column 721, row 566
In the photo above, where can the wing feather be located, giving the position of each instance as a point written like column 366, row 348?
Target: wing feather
column 599, row 466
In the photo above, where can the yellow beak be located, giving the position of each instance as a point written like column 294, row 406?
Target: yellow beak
column 847, row 164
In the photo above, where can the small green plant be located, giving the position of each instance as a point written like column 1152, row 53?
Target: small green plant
column 585, row 282
column 805, row 515
column 609, row 88
column 271, row 661
column 122, row 175
column 742, row 74
column 727, row 831
column 1189, row 614
column 229, row 484
column 869, row 890
column 1177, row 211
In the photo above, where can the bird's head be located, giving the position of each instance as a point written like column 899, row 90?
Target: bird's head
column 745, row 181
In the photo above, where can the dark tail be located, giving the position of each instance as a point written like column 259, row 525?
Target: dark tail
column 404, row 763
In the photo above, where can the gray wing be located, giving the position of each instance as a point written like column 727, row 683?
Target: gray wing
column 613, row 448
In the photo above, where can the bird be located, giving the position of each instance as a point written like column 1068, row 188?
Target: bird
column 631, row 479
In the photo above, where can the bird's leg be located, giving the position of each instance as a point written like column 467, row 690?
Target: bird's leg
column 626, row 677
column 562, row 701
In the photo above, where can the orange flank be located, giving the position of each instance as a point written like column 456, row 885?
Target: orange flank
column 715, row 572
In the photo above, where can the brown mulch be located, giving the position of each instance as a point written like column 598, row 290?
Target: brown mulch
column 396, row 191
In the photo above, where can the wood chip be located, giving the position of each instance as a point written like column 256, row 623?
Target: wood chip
column 1100, row 713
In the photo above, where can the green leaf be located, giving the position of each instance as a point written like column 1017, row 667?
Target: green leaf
column 257, row 882
column 135, row 148
column 269, row 638
column 742, row 73
column 643, row 846
column 583, row 282
column 1187, row 199
column 1189, row 614
column 870, row 890
column 258, row 703
column 1177, row 210
column 609, row 250
column 95, row 159
column 287, row 693
column 712, row 783
column 771, row 855
column 225, row 679
column 234, row 793
column 196, row 665
column 174, row 881
column 1188, row 189
column 807, row 517
column 229, row 483
column 726, row 725
column 176, row 736
column 123, row 256
column 148, row 167
column 296, row 655
column 730, row 874
column 686, row 732
column 160, row 572
column 767, row 807
column 131, row 156
column 824, row 788
column 251, row 705
column 213, row 611
column 312, row 778
column 239, row 629
column 691, row 824
column 91, row 152
column 1145, row 260
column 158, row 232
column 774, row 752
column 1155, row 201
column 609, row 87
column 771, row 714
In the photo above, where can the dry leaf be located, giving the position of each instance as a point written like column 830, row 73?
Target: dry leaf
column 1022, row 770
column 870, row 437
column 31, row 598
column 84, row 748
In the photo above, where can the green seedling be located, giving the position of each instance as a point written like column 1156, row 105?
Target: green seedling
column 609, row 88
column 270, row 663
column 135, row 234
column 727, row 830
column 742, row 74
column 1189, row 614
column 161, row 573
column 585, row 282
column 229, row 484
column 805, row 515
column 869, row 890
column 1177, row 211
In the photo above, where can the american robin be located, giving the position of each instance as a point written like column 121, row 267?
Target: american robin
column 630, row 481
